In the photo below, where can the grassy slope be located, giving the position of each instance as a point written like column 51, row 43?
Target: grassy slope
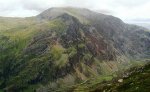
column 137, row 81
column 15, row 35
column 96, row 82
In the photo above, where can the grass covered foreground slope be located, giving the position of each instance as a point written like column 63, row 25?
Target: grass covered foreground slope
column 62, row 47
column 134, row 80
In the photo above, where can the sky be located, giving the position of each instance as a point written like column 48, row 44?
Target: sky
column 127, row 10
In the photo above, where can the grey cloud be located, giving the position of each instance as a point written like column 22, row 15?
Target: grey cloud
column 109, row 12
column 125, row 9
column 39, row 5
column 130, row 3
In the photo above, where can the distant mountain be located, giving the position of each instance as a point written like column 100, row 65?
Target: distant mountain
column 62, row 47
column 140, row 22
column 146, row 25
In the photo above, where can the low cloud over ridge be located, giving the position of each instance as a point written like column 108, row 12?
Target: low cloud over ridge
column 124, row 9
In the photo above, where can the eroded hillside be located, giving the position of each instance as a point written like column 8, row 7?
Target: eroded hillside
column 62, row 47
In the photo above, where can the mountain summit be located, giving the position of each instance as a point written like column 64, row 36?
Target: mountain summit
column 62, row 47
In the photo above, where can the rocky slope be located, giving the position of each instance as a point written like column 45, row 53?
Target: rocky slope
column 66, row 46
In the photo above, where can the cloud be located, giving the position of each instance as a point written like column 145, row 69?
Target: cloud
column 26, row 8
column 124, row 9
column 41, row 5
column 137, row 12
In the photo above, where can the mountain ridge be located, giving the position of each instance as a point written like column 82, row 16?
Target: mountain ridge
column 65, row 46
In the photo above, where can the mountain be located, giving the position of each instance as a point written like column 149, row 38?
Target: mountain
column 146, row 25
column 63, row 47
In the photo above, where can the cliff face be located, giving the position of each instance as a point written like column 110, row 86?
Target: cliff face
column 64, row 46
column 122, row 36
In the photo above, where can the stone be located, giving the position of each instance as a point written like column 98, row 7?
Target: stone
column 120, row 80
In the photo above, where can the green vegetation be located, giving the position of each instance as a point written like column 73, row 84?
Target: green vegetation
column 68, row 53
column 71, row 51
column 21, row 68
column 58, row 55
column 137, row 81
column 91, row 84
column 57, row 26
column 17, row 70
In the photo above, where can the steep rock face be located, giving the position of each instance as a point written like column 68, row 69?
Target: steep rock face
column 122, row 36
column 67, row 46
